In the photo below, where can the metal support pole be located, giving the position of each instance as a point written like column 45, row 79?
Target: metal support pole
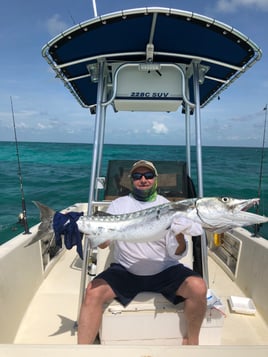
column 199, row 165
column 97, row 138
column 188, row 131
column 198, row 130
column 188, row 138
column 101, row 142
column 95, row 156
column 94, row 8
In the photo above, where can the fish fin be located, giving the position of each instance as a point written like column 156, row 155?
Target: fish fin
column 40, row 236
column 101, row 214
column 219, row 230
column 183, row 205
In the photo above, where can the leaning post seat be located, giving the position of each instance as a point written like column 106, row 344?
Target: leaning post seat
column 173, row 182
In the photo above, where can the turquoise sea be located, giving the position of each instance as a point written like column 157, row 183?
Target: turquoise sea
column 58, row 174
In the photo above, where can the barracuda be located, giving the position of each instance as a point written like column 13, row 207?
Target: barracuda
column 216, row 214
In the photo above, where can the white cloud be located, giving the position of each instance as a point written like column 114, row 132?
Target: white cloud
column 44, row 126
column 159, row 128
column 27, row 113
column 233, row 5
column 22, row 125
column 55, row 25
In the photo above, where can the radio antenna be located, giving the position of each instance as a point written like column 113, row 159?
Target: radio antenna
column 22, row 216
column 262, row 152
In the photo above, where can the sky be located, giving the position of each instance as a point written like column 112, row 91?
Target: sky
column 45, row 111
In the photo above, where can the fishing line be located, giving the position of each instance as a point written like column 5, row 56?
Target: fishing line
column 22, row 216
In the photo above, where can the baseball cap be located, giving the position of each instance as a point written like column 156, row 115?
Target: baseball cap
column 143, row 163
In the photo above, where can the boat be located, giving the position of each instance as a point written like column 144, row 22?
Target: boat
column 146, row 59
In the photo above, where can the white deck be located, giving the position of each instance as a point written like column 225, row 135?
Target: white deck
column 53, row 312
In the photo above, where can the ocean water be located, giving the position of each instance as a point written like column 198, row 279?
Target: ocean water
column 58, row 175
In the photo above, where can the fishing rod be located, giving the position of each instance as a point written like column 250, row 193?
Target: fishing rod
column 257, row 226
column 23, row 215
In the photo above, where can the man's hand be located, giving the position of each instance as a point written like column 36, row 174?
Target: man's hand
column 181, row 224
column 181, row 244
column 105, row 244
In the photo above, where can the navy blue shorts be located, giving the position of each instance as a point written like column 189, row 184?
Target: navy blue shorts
column 127, row 285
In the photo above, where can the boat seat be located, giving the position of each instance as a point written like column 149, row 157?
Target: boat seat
column 150, row 319
column 173, row 182
column 113, row 328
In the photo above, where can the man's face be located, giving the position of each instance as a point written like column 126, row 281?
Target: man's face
column 143, row 183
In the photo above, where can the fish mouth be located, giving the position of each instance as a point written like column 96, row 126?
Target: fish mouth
column 246, row 204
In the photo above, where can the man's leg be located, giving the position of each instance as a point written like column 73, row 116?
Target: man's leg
column 98, row 292
column 194, row 290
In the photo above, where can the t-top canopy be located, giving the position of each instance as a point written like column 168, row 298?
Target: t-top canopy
column 151, row 35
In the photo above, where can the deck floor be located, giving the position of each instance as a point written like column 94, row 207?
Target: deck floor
column 53, row 313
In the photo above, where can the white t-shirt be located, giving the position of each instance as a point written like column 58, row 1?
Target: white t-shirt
column 144, row 258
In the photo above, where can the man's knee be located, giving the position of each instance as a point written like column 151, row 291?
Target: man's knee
column 193, row 286
column 98, row 291
column 197, row 285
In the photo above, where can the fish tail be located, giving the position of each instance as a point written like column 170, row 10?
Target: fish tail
column 45, row 228
column 46, row 213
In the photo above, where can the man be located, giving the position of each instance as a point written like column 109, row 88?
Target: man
column 150, row 266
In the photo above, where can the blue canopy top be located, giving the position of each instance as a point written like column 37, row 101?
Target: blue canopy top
column 178, row 37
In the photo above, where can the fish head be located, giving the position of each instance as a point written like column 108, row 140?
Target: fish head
column 219, row 214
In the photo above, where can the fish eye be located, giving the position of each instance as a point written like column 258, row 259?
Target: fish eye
column 225, row 199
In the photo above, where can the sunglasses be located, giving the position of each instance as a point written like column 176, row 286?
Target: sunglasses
column 147, row 175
